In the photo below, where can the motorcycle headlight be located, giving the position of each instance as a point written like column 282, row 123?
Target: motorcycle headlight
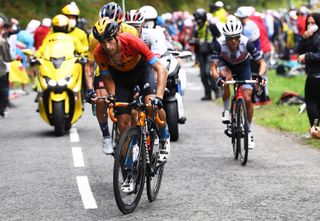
column 52, row 83
column 64, row 81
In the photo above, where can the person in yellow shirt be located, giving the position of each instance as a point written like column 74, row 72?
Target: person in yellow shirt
column 217, row 10
column 95, row 84
column 72, row 12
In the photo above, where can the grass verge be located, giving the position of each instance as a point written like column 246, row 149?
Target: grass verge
column 284, row 117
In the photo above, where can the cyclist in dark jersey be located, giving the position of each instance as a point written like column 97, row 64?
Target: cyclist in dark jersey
column 231, row 59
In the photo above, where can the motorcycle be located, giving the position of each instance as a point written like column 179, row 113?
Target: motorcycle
column 59, row 86
column 176, row 85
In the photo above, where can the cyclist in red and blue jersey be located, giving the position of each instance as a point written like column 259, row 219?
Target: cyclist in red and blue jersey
column 231, row 59
column 125, row 61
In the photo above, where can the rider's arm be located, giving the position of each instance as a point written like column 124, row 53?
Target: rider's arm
column 214, row 70
column 89, row 68
column 89, row 72
column 257, row 57
column 262, row 67
column 161, row 78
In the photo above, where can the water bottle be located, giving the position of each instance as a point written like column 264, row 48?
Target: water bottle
column 135, row 152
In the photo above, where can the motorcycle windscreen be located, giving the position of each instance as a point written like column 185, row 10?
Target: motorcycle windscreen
column 59, row 45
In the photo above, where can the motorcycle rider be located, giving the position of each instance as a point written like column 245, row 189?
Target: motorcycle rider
column 206, row 34
column 155, row 39
column 72, row 12
column 60, row 28
column 95, row 84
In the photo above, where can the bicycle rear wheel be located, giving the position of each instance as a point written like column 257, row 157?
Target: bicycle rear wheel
column 242, row 131
column 155, row 170
column 233, row 124
column 126, row 167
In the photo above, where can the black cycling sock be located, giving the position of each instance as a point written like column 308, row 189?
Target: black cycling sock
column 105, row 129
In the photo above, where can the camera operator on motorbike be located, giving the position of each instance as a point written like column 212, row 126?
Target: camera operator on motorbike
column 155, row 40
column 125, row 61
column 231, row 58
column 94, row 82
column 205, row 35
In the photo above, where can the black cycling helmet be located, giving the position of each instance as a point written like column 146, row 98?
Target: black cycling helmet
column 105, row 28
column 111, row 10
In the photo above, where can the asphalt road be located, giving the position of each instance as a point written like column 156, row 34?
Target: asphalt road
column 43, row 177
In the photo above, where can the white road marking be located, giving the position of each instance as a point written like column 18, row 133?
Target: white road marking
column 86, row 194
column 74, row 137
column 77, row 157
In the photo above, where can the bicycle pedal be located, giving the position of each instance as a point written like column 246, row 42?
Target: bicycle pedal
column 227, row 132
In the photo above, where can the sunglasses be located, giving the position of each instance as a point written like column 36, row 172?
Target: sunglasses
column 237, row 38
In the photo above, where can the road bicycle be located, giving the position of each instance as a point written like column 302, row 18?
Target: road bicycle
column 136, row 157
column 238, row 127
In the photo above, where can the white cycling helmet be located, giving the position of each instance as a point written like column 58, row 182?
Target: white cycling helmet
column 149, row 12
column 134, row 18
column 232, row 28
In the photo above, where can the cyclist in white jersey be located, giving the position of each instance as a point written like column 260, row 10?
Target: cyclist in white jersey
column 155, row 39
column 231, row 59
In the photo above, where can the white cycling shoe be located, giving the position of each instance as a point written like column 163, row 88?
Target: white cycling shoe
column 226, row 117
column 164, row 150
column 107, row 147
column 251, row 143
column 128, row 186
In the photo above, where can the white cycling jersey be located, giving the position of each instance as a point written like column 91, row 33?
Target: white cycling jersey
column 155, row 40
column 246, row 48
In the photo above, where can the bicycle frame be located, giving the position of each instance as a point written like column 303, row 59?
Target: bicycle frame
column 237, row 129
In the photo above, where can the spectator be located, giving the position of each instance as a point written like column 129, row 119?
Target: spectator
column 41, row 32
column 308, row 50
column 5, row 58
column 206, row 34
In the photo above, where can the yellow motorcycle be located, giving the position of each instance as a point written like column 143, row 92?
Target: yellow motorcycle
column 59, row 85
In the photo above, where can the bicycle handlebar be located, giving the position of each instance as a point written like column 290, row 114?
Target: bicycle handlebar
column 241, row 82
column 134, row 105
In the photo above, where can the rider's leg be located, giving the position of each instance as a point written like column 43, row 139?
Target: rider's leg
column 247, row 93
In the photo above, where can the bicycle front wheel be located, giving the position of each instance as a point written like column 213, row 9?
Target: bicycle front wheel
column 242, row 131
column 129, row 170
column 155, row 169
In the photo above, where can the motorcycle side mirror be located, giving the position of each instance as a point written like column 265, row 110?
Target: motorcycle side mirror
column 185, row 54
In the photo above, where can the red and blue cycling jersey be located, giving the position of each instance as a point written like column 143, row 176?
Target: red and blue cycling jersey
column 133, row 50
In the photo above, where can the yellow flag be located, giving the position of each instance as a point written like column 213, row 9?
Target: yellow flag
column 18, row 73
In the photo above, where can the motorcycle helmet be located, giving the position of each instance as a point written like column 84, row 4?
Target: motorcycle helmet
column 134, row 18
column 232, row 28
column 111, row 10
column 71, row 9
column 105, row 28
column 60, row 23
column 72, row 12
column 150, row 15
column 200, row 16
